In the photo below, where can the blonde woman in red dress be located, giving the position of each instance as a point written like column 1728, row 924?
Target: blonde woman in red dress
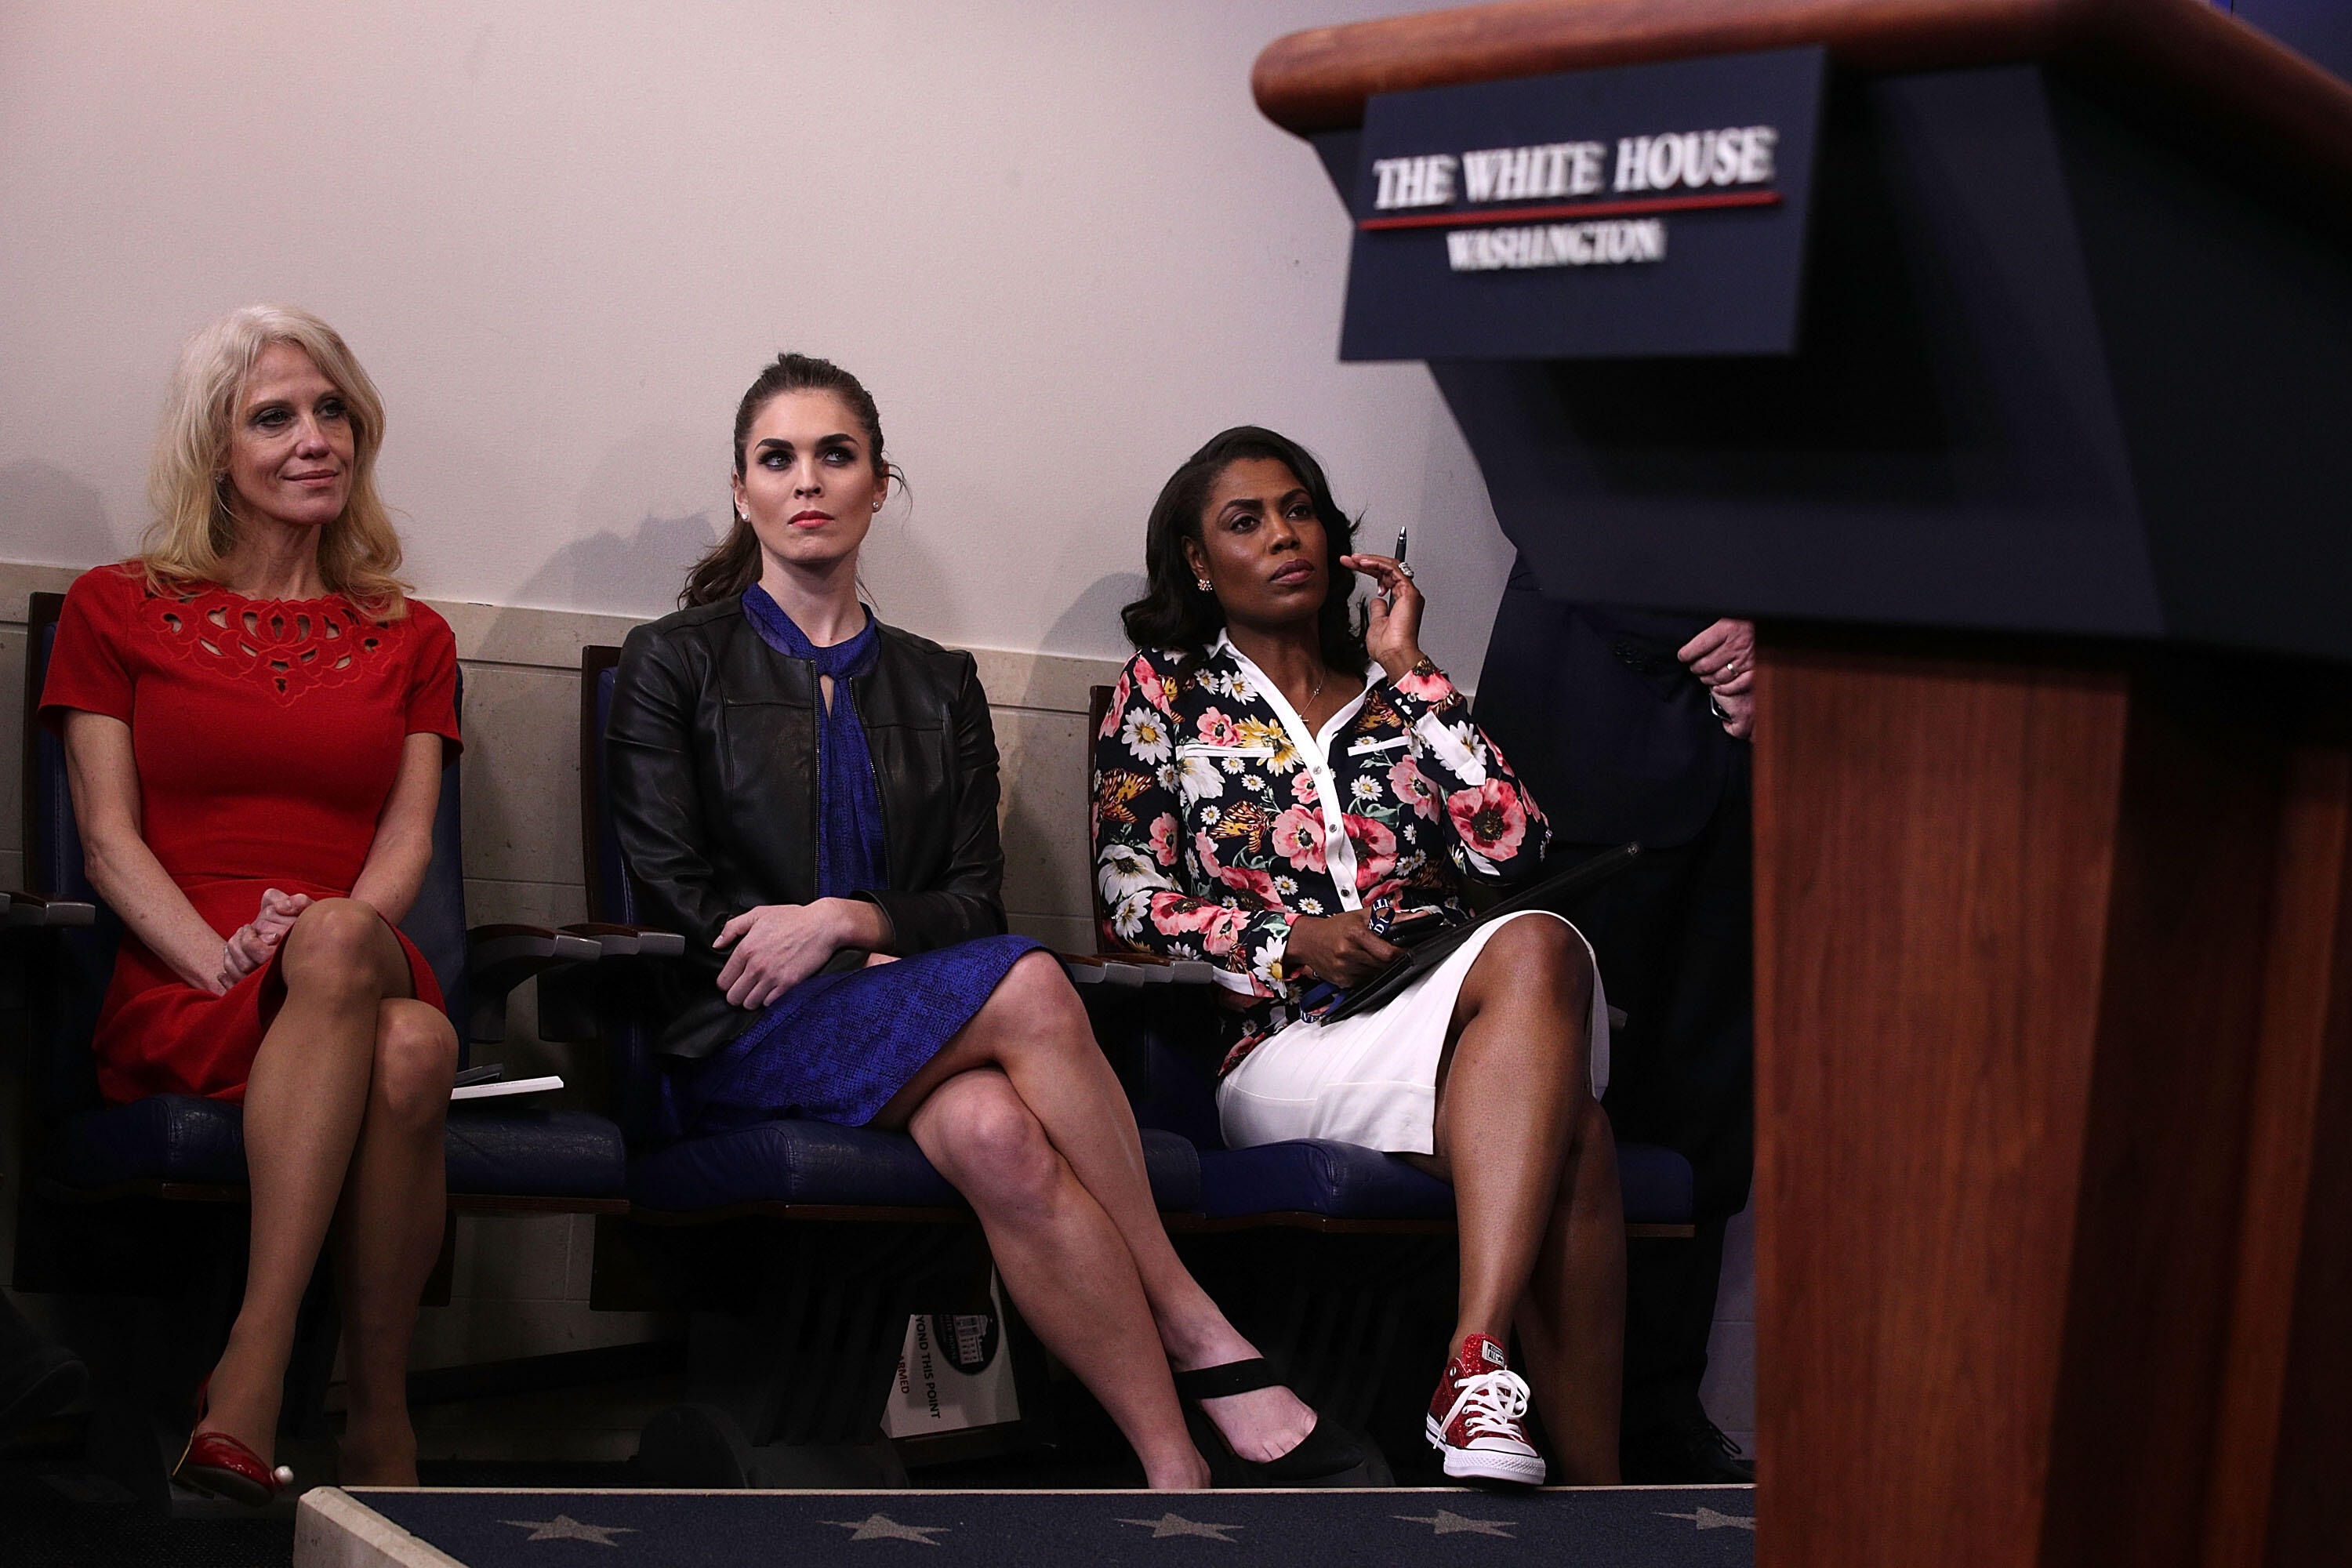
column 255, row 718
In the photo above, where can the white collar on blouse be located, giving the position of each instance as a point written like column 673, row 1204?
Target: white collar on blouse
column 1314, row 753
column 1315, row 746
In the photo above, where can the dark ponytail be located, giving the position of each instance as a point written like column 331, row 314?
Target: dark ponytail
column 733, row 563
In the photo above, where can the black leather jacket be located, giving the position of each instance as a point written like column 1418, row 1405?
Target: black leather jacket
column 710, row 754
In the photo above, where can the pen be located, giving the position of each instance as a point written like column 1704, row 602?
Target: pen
column 1400, row 557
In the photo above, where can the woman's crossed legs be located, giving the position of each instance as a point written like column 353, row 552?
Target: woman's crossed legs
column 1534, row 1169
column 1023, row 1114
column 344, row 1112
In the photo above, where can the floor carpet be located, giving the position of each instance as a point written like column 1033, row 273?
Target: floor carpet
column 58, row 1518
column 1698, row 1527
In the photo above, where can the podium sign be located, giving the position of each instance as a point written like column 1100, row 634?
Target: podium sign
column 1633, row 212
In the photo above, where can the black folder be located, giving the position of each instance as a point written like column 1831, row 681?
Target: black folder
column 1551, row 893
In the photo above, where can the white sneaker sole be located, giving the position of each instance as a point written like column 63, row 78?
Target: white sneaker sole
column 1484, row 1463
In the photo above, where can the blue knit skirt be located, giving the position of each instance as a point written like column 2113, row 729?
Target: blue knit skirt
column 835, row 1048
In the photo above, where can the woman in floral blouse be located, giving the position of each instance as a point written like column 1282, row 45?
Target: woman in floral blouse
column 1267, row 800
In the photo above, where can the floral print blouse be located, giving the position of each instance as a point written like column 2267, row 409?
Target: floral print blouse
column 1219, row 817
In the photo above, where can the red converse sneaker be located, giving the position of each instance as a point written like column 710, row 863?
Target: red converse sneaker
column 1474, row 1418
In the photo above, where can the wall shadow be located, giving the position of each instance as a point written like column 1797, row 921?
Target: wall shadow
column 635, row 574
column 1090, row 628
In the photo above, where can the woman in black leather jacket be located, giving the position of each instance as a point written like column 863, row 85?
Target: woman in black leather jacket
column 811, row 798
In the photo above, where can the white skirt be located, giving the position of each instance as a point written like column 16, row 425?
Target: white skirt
column 1371, row 1079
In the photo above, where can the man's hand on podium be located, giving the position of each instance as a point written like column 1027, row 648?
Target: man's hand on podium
column 1723, row 656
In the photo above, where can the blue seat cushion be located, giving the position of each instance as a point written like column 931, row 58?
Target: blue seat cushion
column 182, row 1138
column 164, row 1138
column 1347, row 1181
column 1176, row 1091
column 527, row 1151
column 1319, row 1175
column 797, row 1161
column 1174, row 1167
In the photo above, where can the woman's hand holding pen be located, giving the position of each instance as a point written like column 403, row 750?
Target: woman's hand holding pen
column 1392, row 636
column 1340, row 949
column 777, row 946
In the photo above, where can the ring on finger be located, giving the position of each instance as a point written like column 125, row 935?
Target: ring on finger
column 1404, row 570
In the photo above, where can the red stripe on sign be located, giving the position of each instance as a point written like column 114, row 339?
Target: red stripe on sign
column 1582, row 209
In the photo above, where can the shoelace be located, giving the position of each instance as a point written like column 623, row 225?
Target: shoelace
column 1495, row 1401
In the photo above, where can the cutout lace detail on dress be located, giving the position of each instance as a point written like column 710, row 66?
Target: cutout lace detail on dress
column 294, row 646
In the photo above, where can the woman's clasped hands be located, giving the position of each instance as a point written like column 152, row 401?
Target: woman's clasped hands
column 777, row 946
column 248, row 947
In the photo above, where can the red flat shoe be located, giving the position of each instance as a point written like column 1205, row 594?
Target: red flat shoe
column 219, row 1466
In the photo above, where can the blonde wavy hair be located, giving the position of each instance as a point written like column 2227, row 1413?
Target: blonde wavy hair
column 195, row 530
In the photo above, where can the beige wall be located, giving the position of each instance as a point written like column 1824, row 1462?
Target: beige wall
column 1054, row 237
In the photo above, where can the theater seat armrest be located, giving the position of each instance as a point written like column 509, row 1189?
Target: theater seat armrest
column 1095, row 969
column 629, row 942
column 1135, row 969
column 501, row 957
column 573, row 1000
column 32, row 910
column 538, row 946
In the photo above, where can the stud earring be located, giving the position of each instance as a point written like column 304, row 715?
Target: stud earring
column 1204, row 585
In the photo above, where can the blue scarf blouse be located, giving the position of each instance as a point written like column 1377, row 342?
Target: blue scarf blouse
column 851, row 853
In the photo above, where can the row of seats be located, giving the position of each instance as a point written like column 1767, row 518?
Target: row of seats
column 611, row 1162
column 1193, row 1174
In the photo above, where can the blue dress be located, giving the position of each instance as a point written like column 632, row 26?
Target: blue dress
column 835, row 1048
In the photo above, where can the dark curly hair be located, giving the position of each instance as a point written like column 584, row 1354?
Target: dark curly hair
column 733, row 563
column 1175, row 612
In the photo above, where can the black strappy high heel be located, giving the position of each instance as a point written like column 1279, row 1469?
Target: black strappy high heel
column 1328, row 1449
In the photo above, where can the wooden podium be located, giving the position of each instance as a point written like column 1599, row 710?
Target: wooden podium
column 2053, row 810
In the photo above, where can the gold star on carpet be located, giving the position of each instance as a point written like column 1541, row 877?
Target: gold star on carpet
column 882, row 1527
column 1168, row 1524
column 563, row 1527
column 1455, row 1524
column 1707, row 1519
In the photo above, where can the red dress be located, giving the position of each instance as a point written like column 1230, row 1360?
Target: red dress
column 268, row 735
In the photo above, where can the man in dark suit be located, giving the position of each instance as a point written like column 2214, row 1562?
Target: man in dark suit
column 1632, row 725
